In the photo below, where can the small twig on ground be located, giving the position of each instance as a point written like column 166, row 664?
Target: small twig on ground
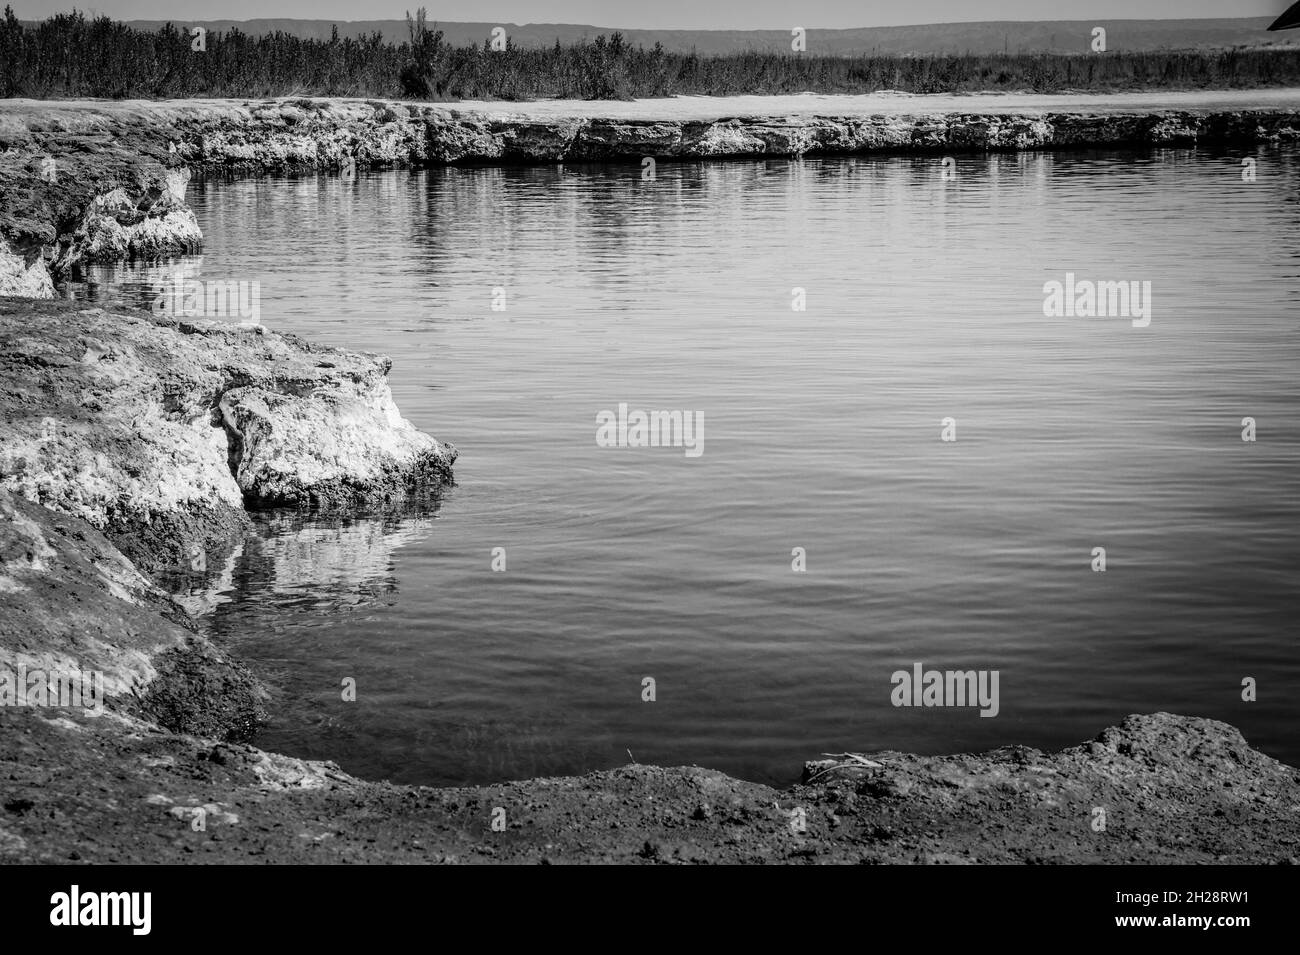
column 847, row 761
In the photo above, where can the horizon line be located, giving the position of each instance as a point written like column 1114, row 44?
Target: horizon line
column 592, row 26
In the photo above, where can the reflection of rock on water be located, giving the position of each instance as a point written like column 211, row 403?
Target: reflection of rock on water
column 337, row 563
column 345, row 561
column 201, row 592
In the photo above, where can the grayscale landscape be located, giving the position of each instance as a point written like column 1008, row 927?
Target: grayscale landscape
column 745, row 473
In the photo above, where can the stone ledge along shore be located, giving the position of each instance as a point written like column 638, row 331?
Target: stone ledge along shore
column 131, row 444
column 95, row 181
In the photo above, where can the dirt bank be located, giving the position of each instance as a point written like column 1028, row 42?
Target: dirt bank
column 119, row 789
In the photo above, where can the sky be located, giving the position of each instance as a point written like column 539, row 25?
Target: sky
column 665, row 14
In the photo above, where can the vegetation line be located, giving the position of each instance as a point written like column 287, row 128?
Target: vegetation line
column 69, row 55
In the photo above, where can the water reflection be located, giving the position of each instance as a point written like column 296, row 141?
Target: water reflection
column 292, row 562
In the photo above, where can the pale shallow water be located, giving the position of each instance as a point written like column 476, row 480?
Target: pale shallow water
column 821, row 431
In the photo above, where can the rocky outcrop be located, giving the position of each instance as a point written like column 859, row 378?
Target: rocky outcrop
column 161, row 432
column 83, row 182
column 68, row 199
column 465, row 138
column 73, row 604
column 119, row 225
column 331, row 449
column 21, row 277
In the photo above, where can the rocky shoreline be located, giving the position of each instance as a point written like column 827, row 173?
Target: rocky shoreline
column 133, row 446
column 161, row 432
column 95, row 181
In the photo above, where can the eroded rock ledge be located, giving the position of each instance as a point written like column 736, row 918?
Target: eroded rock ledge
column 93, row 181
column 160, row 432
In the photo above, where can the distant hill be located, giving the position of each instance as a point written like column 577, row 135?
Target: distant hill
column 1049, row 36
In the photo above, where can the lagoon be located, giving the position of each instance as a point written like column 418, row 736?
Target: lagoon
column 924, row 301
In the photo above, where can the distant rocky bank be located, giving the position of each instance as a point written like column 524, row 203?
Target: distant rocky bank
column 95, row 181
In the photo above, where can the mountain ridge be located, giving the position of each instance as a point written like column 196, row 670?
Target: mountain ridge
column 979, row 37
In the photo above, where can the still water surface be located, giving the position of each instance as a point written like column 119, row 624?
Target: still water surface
column 822, row 431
